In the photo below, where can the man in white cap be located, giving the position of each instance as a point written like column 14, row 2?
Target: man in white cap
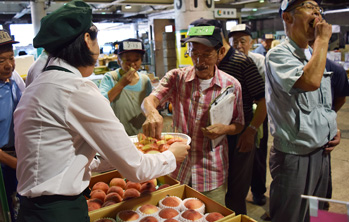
column 298, row 95
column 240, row 37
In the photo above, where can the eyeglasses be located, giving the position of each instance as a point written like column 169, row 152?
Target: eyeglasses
column 203, row 56
column 309, row 6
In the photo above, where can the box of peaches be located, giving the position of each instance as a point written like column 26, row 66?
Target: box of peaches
column 111, row 188
column 152, row 145
column 174, row 204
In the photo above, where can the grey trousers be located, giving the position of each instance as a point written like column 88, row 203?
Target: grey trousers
column 292, row 176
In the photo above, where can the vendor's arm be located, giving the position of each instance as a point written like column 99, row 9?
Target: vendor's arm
column 314, row 69
column 104, row 133
column 154, row 122
column 247, row 138
column 120, row 85
column 8, row 159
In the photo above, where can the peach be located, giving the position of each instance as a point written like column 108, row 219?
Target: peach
column 171, row 202
column 152, row 152
column 101, row 186
column 193, row 204
column 171, row 220
column 131, row 193
column 99, row 194
column 191, row 215
column 131, row 184
column 147, row 187
column 128, row 215
column 114, row 197
column 154, row 181
column 164, row 147
column 108, row 203
column 163, row 186
column 213, row 216
column 94, row 204
column 149, row 219
column 117, row 182
column 116, row 189
column 168, row 213
column 148, row 209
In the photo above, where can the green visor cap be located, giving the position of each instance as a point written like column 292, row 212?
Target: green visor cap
column 206, row 35
column 64, row 25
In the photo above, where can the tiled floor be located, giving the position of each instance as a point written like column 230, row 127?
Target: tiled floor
column 340, row 169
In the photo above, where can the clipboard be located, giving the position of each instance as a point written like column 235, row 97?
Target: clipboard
column 221, row 110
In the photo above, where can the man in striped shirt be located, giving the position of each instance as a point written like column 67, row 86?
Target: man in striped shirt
column 191, row 91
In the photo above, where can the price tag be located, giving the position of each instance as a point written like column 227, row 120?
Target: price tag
column 132, row 45
column 201, row 30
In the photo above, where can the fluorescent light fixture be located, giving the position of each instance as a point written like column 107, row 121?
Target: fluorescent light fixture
column 261, row 1
column 230, row 24
column 254, row 9
column 128, row 6
column 216, row 0
column 337, row 11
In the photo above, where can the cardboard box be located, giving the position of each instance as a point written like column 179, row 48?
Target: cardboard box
column 240, row 218
column 182, row 191
column 106, row 177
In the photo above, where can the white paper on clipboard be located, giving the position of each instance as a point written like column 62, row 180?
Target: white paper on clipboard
column 221, row 110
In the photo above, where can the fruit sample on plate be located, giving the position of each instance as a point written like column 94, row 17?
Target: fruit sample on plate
column 152, row 145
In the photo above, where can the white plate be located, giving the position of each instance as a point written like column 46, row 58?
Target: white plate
column 184, row 136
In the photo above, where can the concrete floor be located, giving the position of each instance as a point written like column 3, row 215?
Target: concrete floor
column 340, row 168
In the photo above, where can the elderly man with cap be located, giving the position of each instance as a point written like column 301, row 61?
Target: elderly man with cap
column 241, row 146
column 11, row 87
column 191, row 90
column 298, row 95
column 62, row 120
column 126, row 88
column 241, row 38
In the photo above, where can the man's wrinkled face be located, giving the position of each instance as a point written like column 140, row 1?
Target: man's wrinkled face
column 242, row 42
column 204, row 59
column 306, row 15
column 7, row 65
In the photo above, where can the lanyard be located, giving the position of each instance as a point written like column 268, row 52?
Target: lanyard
column 57, row 68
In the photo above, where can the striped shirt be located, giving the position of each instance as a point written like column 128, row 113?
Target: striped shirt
column 243, row 69
column 205, row 167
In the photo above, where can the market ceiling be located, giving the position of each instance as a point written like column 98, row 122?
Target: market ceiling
column 18, row 11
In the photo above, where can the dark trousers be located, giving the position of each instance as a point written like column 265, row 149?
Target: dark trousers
column 10, row 181
column 294, row 175
column 259, row 172
column 54, row 208
column 239, row 177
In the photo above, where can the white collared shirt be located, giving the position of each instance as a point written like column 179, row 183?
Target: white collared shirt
column 258, row 59
column 61, row 122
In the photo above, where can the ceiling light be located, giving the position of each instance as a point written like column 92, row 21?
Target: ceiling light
column 261, row 1
column 128, row 6
column 254, row 9
column 216, row 0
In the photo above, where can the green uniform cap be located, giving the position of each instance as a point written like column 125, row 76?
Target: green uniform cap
column 64, row 25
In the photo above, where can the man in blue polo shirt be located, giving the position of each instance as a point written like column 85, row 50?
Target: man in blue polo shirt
column 10, row 93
